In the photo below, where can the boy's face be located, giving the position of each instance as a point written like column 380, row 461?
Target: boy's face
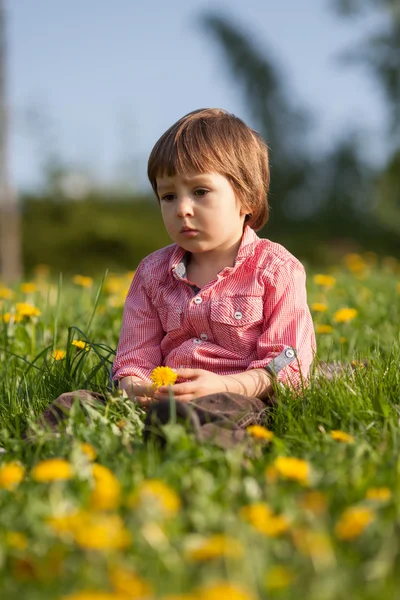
column 201, row 212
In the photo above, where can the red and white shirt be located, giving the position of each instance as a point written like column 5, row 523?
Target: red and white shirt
column 254, row 314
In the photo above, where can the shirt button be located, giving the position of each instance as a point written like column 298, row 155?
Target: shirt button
column 197, row 300
column 204, row 336
column 289, row 353
column 238, row 315
column 196, row 341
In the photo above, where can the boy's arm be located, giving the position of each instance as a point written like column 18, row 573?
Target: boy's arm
column 286, row 347
column 136, row 388
column 139, row 345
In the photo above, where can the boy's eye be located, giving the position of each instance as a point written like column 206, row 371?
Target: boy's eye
column 200, row 192
column 168, row 197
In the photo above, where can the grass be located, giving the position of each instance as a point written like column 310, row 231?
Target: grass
column 124, row 520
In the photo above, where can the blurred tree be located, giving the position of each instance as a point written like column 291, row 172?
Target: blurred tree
column 380, row 54
column 304, row 186
column 10, row 236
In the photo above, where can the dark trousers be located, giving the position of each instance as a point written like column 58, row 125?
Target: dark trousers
column 220, row 418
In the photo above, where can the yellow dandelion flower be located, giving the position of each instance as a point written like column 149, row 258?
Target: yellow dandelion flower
column 106, row 494
column 59, row 354
column 114, row 285
column 83, row 281
column 6, row 293
column 319, row 307
column 292, row 468
column 101, row 531
column 398, row 287
column 125, row 581
column 324, row 280
column 221, row 590
column 81, row 344
column 41, row 270
column 259, row 432
column 261, row 517
column 342, row 340
column 314, row 501
column 353, row 522
column 380, row 494
column 28, row 288
column 341, row 436
column 11, row 475
column 88, row 450
column 355, row 263
column 92, row 530
column 271, row 474
column 155, row 492
column 321, row 328
column 215, row 546
column 27, row 310
column 53, row 469
column 279, row 577
column 316, row 544
column 344, row 315
column 17, row 540
column 8, row 317
column 163, row 376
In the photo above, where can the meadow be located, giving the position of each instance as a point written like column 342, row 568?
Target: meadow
column 308, row 508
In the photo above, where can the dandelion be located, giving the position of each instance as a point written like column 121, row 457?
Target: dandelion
column 59, row 354
column 292, row 468
column 344, row 315
column 83, row 281
column 355, row 263
column 353, row 522
column 11, row 475
column 156, row 492
column 106, row 494
column 259, row 432
column 28, row 288
column 81, row 344
column 92, row 530
column 314, row 501
column 53, row 469
column 380, row 494
column 321, row 328
column 163, row 376
column 398, row 287
column 341, row 436
column 315, row 544
column 319, row 307
column 221, row 590
column 324, row 280
column 125, row 581
column 215, row 546
column 6, row 293
column 342, row 340
column 279, row 577
column 41, row 270
column 27, row 310
column 261, row 517
column 88, row 450
column 17, row 540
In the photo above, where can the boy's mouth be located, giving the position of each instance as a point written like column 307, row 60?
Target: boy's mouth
column 187, row 229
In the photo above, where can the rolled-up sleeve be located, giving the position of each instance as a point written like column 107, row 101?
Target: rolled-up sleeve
column 138, row 351
column 286, row 347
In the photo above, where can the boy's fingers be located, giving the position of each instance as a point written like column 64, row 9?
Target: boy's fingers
column 188, row 373
column 177, row 389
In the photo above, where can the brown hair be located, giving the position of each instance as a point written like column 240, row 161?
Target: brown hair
column 213, row 140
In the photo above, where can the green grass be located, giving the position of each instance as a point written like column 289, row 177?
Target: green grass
column 316, row 560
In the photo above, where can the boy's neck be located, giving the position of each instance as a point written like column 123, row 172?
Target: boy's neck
column 214, row 261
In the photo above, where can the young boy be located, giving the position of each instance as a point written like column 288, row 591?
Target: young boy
column 225, row 309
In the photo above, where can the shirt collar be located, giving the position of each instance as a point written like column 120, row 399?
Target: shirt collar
column 178, row 261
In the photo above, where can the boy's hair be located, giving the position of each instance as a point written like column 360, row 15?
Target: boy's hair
column 213, row 140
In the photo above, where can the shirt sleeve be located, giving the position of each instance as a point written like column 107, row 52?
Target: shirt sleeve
column 138, row 350
column 287, row 345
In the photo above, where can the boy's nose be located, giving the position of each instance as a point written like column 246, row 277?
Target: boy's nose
column 184, row 207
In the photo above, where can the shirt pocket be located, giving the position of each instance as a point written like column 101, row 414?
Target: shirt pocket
column 237, row 322
column 171, row 318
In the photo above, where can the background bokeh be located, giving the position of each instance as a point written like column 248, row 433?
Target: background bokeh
column 90, row 86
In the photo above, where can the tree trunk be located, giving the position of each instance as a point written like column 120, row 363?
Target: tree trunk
column 10, row 230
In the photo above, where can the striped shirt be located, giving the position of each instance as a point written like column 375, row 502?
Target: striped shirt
column 254, row 314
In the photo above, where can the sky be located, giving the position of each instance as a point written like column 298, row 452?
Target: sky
column 96, row 82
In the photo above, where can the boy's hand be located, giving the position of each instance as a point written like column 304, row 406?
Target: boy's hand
column 201, row 383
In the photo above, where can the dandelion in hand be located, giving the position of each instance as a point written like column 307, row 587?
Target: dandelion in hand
column 163, row 376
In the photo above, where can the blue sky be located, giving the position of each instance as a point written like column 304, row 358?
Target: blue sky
column 106, row 78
